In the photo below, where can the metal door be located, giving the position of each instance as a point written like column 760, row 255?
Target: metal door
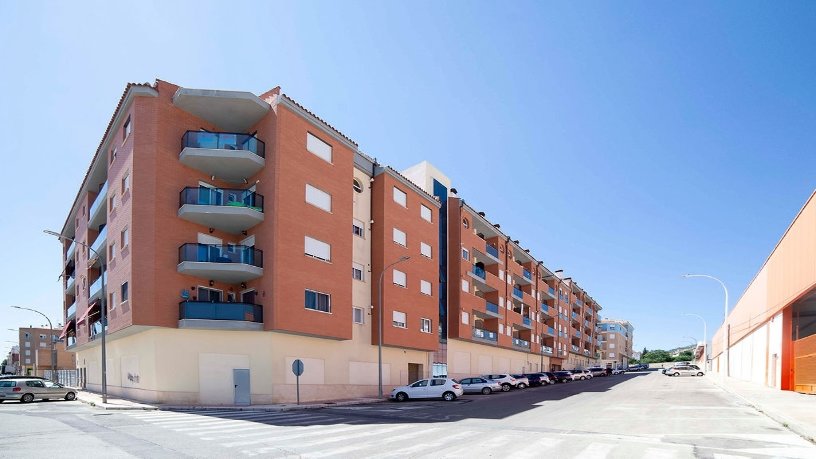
column 240, row 379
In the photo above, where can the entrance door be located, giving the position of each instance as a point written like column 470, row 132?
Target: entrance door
column 240, row 378
column 414, row 372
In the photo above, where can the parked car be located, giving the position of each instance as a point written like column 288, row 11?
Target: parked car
column 507, row 381
column 29, row 389
column 479, row 385
column 581, row 374
column 682, row 370
column 618, row 371
column 445, row 388
column 552, row 377
column 538, row 379
column 596, row 371
column 563, row 376
column 521, row 381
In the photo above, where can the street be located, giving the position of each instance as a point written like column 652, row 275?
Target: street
column 635, row 415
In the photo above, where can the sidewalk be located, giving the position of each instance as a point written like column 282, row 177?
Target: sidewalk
column 94, row 399
column 793, row 410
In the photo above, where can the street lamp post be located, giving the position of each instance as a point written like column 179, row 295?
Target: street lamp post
column 705, row 336
column 51, row 338
column 102, row 307
column 380, row 323
column 726, row 331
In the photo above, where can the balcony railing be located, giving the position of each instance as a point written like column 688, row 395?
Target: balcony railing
column 521, row 343
column 492, row 251
column 70, row 341
column 518, row 293
column 71, row 311
column 562, row 334
column 208, row 253
column 574, row 315
column 550, row 330
column 98, row 244
column 551, row 290
column 223, row 141
column 69, row 255
column 527, row 275
column 545, row 309
column 546, row 349
column 574, row 348
column 204, row 196
column 96, row 287
column 577, row 334
column 485, row 334
column 478, row 272
column 491, row 307
column 220, row 311
column 586, row 351
column 101, row 198
column 526, row 321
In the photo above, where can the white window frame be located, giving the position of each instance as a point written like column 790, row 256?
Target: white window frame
column 354, row 312
column 358, row 224
column 426, row 213
column 400, row 197
column 422, row 328
column 426, row 250
column 465, row 254
column 398, row 275
column 319, row 250
column 318, row 198
column 318, row 147
column 124, row 237
column 358, row 267
column 327, row 295
column 399, row 234
column 425, row 287
column 399, row 319
column 465, row 286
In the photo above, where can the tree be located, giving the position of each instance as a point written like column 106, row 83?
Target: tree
column 656, row 356
column 685, row 356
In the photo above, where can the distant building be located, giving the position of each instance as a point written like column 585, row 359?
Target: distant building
column 616, row 342
column 35, row 351
column 12, row 361
column 636, row 355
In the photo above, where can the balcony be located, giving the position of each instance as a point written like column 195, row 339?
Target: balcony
column 574, row 348
column 550, row 331
column 518, row 294
column 492, row 309
column 547, row 310
column 478, row 274
column 485, row 335
column 549, row 291
column 492, row 252
column 232, row 110
column 227, row 156
column 520, row 343
column 99, row 245
column 70, row 341
column 522, row 280
column 225, row 263
column 547, row 350
column 69, row 255
column 95, row 291
column 527, row 275
column 577, row 334
column 229, row 210
column 574, row 316
column 98, row 213
column 70, row 285
column 221, row 316
column 586, row 351
column 526, row 322
column 71, row 311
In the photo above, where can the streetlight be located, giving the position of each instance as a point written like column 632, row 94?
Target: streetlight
column 705, row 336
column 102, row 307
column 725, row 320
column 380, row 323
column 50, row 338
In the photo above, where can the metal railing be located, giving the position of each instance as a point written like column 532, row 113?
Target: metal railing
column 521, row 343
column 484, row 334
column 550, row 330
column 100, row 240
column 527, row 275
column 518, row 293
column 220, row 311
column 546, row 349
column 204, row 196
column 478, row 272
column 223, row 141
column 492, row 251
column 69, row 254
column 98, row 201
column 71, row 311
column 212, row 253
column 551, row 290
column 96, row 287
column 492, row 307
column 526, row 321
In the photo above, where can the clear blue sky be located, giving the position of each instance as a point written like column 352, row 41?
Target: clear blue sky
column 626, row 143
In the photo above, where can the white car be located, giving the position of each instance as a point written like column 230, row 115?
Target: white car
column 445, row 388
column 477, row 385
column 581, row 375
column 618, row 371
column 507, row 381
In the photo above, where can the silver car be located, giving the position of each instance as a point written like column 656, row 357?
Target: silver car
column 479, row 385
column 690, row 370
column 29, row 389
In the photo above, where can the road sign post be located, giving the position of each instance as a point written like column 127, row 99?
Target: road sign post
column 297, row 369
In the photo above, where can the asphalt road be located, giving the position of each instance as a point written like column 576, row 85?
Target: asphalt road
column 641, row 415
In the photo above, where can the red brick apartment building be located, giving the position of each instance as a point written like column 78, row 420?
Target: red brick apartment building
column 222, row 218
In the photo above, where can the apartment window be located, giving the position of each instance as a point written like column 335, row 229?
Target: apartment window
column 357, row 271
column 357, row 228
column 28, row 352
column 357, row 315
column 318, row 301
column 43, row 343
column 210, row 294
column 400, row 238
column 111, row 300
column 125, row 182
column 28, row 361
column 126, row 129
column 400, row 278
column 398, row 319
column 112, row 250
column 125, row 238
column 465, row 254
column 28, row 344
column 425, row 287
column 400, row 197
column 318, row 198
column 425, row 249
column 611, row 354
column 425, row 325
column 425, row 212
column 358, row 187
column 317, row 249
column 42, row 336
column 611, row 346
column 112, row 154
column 318, row 147
column 465, row 286
column 611, row 336
column 465, row 223
column 112, row 202
column 124, row 292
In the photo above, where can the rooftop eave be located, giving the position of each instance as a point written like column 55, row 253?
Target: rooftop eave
column 233, row 111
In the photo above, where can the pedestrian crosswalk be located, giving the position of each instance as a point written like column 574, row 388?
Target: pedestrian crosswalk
column 322, row 434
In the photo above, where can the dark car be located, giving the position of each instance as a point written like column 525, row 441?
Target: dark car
column 551, row 375
column 537, row 379
column 563, row 376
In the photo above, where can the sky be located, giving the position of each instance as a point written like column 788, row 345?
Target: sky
column 626, row 143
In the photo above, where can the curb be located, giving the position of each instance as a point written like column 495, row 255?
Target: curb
column 115, row 407
column 267, row 408
column 787, row 423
